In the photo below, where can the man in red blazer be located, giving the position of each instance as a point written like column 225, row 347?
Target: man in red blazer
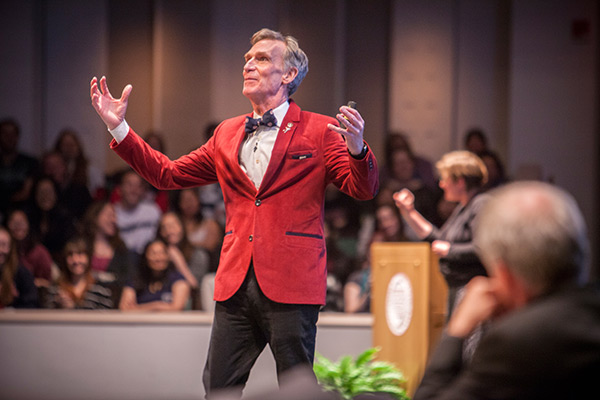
column 271, row 279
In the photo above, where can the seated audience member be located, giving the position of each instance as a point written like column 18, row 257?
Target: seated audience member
column 151, row 194
column 495, row 168
column 201, row 231
column 211, row 196
column 32, row 254
column 476, row 141
column 137, row 218
column 339, row 267
column 50, row 221
column 544, row 337
column 388, row 228
column 191, row 261
column 17, row 288
column 79, row 169
column 72, row 195
column 342, row 214
column 157, row 286
column 17, row 170
column 339, row 264
column 388, row 224
column 76, row 287
column 110, row 260
column 160, row 197
column 357, row 290
column 423, row 168
column 401, row 176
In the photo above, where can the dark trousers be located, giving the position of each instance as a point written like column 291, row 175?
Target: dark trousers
column 245, row 324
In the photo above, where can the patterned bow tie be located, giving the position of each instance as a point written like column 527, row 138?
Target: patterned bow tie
column 268, row 119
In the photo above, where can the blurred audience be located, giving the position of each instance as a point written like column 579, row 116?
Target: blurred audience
column 495, row 168
column 72, row 195
column 151, row 194
column 32, row 254
column 423, row 168
column 191, row 261
column 388, row 228
column 157, row 285
column 476, row 142
column 357, row 290
column 76, row 287
column 160, row 197
column 137, row 218
column 51, row 200
column 111, row 262
column 79, row 169
column 343, row 217
column 339, row 267
column 50, row 221
column 17, row 288
column 17, row 170
column 211, row 196
column 201, row 231
column 401, row 175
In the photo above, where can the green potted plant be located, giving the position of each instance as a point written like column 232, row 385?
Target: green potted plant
column 353, row 376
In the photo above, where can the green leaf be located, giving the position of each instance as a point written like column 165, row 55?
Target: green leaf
column 366, row 356
column 350, row 377
column 391, row 376
column 393, row 390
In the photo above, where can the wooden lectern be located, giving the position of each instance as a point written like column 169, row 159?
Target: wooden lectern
column 408, row 302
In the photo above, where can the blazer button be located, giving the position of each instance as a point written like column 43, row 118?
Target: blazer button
column 257, row 202
column 250, row 238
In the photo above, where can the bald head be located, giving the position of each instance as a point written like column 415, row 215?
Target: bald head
column 538, row 232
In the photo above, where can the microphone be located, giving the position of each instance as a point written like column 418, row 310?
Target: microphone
column 351, row 104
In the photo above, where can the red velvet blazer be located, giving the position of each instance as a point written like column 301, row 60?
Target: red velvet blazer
column 280, row 225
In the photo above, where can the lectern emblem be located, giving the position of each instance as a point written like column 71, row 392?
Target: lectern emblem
column 399, row 304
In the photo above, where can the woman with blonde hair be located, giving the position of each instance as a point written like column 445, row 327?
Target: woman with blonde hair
column 462, row 178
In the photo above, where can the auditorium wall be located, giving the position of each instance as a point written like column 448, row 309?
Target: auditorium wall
column 525, row 72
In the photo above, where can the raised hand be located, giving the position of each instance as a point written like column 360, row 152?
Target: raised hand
column 111, row 110
column 405, row 200
column 353, row 133
column 480, row 303
column 440, row 247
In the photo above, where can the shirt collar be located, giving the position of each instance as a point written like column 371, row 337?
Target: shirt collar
column 279, row 112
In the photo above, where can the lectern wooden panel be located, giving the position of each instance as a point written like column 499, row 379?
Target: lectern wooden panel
column 408, row 302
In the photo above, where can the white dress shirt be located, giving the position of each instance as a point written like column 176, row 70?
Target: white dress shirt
column 256, row 150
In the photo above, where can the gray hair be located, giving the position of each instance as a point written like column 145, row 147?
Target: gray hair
column 293, row 57
column 538, row 232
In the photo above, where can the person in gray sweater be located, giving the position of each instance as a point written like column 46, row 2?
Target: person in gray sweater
column 462, row 176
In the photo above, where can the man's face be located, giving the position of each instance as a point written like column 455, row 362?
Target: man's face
column 132, row 190
column 264, row 71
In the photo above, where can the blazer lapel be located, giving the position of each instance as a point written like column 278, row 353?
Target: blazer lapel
column 236, row 168
column 284, row 137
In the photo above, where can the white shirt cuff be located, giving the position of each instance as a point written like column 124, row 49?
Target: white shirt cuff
column 120, row 132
